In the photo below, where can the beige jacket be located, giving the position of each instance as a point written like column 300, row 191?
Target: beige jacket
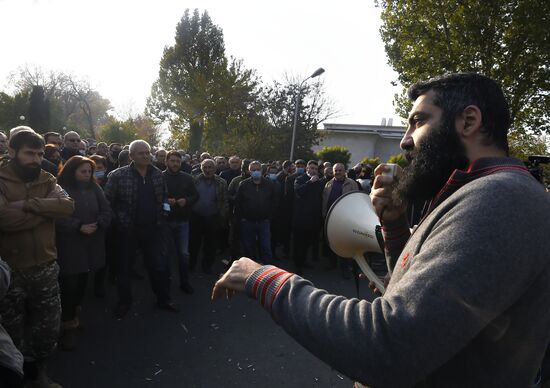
column 348, row 186
column 27, row 234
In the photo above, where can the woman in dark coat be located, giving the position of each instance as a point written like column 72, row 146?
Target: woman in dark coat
column 80, row 240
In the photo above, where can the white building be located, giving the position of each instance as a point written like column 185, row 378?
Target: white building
column 363, row 140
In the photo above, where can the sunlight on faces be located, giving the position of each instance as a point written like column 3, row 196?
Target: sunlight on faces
column 339, row 171
column 141, row 155
column 72, row 141
column 312, row 169
column 28, row 157
column 208, row 168
column 83, row 173
column 173, row 163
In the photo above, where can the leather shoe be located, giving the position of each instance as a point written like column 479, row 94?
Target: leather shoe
column 169, row 306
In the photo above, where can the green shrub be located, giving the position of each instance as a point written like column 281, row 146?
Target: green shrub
column 334, row 154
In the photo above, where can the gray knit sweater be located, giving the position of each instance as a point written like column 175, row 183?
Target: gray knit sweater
column 468, row 304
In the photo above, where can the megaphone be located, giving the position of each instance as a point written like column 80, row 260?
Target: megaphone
column 351, row 230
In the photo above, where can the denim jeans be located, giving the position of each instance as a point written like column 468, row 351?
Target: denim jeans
column 179, row 231
column 254, row 233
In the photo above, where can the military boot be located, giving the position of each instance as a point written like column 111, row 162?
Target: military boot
column 40, row 378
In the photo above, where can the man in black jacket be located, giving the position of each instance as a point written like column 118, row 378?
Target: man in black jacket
column 255, row 204
column 233, row 171
column 182, row 195
column 72, row 142
column 306, row 221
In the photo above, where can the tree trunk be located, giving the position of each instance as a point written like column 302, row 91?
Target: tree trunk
column 195, row 135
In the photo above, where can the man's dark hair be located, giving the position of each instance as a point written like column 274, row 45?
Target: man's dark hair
column 286, row 164
column 98, row 159
column 454, row 92
column 313, row 162
column 301, row 161
column 114, row 144
column 47, row 135
column 26, row 138
column 173, row 153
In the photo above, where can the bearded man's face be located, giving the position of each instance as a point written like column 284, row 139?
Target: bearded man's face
column 434, row 153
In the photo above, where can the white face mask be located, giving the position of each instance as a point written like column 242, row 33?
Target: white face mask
column 82, row 152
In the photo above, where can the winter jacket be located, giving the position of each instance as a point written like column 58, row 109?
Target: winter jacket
column 348, row 186
column 78, row 252
column 180, row 185
column 121, row 191
column 222, row 199
column 256, row 202
column 307, row 204
column 27, row 235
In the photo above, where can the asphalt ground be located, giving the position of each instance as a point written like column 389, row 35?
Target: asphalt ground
column 207, row 344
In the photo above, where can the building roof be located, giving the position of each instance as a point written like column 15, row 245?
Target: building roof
column 388, row 132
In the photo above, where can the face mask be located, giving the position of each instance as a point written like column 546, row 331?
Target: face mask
column 82, row 152
column 273, row 177
column 256, row 175
column 99, row 174
column 300, row 170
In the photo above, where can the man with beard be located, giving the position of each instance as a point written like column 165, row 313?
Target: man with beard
column 30, row 201
column 469, row 296
column 182, row 195
column 112, row 157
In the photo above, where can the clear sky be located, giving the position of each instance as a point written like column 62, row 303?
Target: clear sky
column 117, row 45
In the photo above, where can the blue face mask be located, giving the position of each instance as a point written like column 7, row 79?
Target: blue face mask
column 273, row 177
column 99, row 174
column 300, row 170
column 256, row 174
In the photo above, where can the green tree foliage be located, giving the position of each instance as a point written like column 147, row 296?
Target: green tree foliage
column 11, row 108
column 373, row 162
column 194, row 80
column 39, row 110
column 215, row 104
column 334, row 154
column 73, row 102
column 125, row 131
column 504, row 39
column 523, row 145
column 116, row 131
column 399, row 159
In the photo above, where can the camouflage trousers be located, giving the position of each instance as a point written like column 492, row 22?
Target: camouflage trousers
column 31, row 310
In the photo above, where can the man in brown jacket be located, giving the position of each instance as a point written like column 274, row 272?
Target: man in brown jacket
column 30, row 200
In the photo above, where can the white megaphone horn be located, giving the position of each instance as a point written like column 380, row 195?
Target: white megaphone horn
column 350, row 228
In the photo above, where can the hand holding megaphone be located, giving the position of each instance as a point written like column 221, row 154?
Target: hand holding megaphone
column 385, row 206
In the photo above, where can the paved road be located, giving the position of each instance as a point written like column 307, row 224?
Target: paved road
column 207, row 344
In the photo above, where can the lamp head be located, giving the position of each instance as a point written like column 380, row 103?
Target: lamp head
column 317, row 72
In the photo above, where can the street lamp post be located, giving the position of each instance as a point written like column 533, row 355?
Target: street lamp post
column 316, row 73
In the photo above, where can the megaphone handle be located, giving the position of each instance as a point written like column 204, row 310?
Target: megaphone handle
column 370, row 273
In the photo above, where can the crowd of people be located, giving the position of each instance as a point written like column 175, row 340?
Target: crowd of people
column 72, row 208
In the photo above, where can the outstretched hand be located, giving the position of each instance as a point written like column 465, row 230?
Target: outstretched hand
column 235, row 278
